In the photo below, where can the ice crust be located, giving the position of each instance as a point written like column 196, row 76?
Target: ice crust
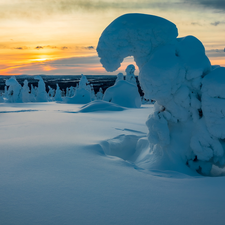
column 176, row 73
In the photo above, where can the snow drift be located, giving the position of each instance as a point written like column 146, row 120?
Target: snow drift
column 187, row 126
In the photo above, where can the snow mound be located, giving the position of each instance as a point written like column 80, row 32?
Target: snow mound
column 123, row 146
column 133, row 35
column 98, row 105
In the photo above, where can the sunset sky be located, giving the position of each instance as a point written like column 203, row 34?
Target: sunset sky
column 57, row 37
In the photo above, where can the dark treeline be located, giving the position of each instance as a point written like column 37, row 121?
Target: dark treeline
column 66, row 81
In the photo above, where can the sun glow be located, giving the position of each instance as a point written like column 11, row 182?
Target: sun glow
column 40, row 60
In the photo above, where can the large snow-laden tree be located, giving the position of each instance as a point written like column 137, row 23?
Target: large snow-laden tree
column 187, row 127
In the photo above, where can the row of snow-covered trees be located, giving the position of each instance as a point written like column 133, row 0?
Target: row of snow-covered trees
column 124, row 92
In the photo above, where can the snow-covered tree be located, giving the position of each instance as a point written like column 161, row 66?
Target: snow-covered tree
column 41, row 90
column 123, row 93
column 130, row 77
column 99, row 94
column 1, row 99
column 93, row 96
column 119, row 77
column 14, row 90
column 187, row 127
column 83, row 82
column 82, row 93
column 58, row 96
column 51, row 93
column 33, row 94
column 25, row 92
column 6, row 92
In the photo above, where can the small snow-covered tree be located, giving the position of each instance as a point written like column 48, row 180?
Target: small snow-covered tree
column 82, row 93
column 6, row 92
column 51, row 93
column 83, row 82
column 1, row 99
column 33, row 94
column 119, row 77
column 99, row 94
column 14, row 90
column 130, row 77
column 123, row 93
column 58, row 96
column 93, row 96
column 25, row 92
column 187, row 126
column 41, row 90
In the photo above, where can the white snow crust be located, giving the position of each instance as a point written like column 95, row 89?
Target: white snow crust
column 59, row 166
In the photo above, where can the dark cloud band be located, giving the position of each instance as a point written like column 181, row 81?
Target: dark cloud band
column 213, row 4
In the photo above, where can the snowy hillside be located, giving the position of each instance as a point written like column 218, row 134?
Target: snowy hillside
column 54, row 171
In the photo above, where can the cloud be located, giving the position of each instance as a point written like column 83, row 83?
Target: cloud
column 196, row 24
column 89, row 47
column 39, row 47
column 213, row 4
column 64, row 48
column 67, row 66
column 216, row 23
column 215, row 52
column 39, row 9
column 21, row 48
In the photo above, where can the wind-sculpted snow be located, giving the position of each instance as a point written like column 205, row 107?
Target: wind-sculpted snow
column 189, row 92
column 133, row 35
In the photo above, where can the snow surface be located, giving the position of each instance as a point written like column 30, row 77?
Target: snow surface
column 59, row 166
